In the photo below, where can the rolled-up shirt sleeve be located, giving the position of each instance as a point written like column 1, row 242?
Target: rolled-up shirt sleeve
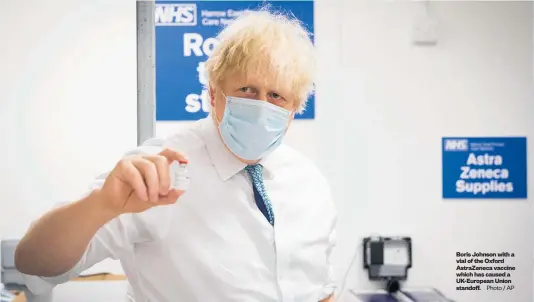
column 112, row 240
column 97, row 251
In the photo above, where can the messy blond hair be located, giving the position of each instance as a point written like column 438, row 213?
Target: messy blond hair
column 265, row 43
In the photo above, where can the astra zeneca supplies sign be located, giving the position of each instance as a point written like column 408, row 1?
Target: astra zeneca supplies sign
column 484, row 167
column 185, row 37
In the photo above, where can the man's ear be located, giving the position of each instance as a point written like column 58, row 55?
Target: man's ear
column 212, row 95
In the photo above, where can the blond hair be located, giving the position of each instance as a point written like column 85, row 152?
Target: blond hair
column 266, row 44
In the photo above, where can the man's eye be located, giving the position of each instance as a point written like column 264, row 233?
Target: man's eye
column 276, row 96
column 245, row 89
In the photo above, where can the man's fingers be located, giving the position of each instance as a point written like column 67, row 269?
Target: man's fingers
column 150, row 176
column 171, row 197
column 162, row 166
column 133, row 178
column 172, row 155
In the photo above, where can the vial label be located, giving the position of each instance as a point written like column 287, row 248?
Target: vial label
column 179, row 176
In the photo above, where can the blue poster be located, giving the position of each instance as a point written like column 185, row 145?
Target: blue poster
column 185, row 37
column 484, row 167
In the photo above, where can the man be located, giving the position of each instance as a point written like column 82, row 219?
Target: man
column 256, row 223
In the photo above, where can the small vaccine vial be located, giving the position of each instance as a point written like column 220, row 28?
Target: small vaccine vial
column 179, row 176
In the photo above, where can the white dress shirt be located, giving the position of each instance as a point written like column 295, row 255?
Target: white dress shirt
column 214, row 244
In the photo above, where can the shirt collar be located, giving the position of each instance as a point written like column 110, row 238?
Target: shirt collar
column 225, row 162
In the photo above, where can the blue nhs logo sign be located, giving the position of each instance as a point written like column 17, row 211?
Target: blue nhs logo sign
column 451, row 144
column 176, row 14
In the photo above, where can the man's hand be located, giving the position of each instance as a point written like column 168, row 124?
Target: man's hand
column 141, row 182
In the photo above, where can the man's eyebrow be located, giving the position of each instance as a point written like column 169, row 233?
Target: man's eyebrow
column 270, row 86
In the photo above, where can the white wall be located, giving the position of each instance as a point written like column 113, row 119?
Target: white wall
column 398, row 101
column 68, row 95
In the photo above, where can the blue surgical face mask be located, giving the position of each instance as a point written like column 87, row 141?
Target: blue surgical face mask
column 251, row 129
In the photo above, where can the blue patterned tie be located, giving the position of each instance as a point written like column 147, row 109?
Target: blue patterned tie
column 262, row 200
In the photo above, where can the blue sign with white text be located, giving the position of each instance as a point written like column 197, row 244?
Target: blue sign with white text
column 484, row 167
column 185, row 37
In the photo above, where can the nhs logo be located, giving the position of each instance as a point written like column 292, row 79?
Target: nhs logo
column 456, row 144
column 176, row 14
